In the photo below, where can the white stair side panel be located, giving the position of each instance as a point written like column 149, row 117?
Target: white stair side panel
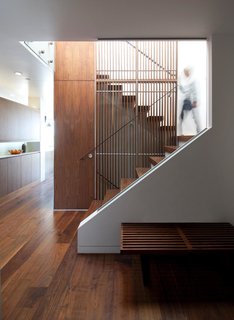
column 196, row 185
column 180, row 190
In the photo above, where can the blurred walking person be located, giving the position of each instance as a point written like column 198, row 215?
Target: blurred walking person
column 189, row 106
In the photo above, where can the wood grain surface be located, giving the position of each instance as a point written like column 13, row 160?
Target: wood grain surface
column 74, row 137
column 44, row 278
column 74, row 125
column 74, row 60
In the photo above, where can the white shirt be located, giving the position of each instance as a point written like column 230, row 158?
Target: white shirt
column 188, row 88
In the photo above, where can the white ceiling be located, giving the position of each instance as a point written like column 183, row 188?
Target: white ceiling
column 90, row 19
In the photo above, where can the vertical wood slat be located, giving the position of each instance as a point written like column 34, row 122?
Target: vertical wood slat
column 131, row 146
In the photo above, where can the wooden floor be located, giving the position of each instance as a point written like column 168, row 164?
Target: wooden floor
column 44, row 278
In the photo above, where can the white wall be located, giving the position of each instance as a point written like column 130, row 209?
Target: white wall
column 6, row 146
column 193, row 54
column 197, row 184
column 13, row 88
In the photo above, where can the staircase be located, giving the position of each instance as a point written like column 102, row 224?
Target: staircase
column 136, row 99
column 139, row 171
column 136, row 132
column 128, row 133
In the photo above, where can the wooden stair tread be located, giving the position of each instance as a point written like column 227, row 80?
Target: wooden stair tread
column 110, row 193
column 185, row 138
column 141, row 108
column 128, row 98
column 115, row 87
column 125, row 182
column 141, row 171
column 102, row 86
column 155, row 118
column 165, row 128
column 102, row 76
column 170, row 149
column 155, row 160
column 95, row 204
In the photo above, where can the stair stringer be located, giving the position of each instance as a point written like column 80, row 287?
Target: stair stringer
column 181, row 189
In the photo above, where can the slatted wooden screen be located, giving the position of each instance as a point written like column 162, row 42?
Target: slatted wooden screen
column 135, row 106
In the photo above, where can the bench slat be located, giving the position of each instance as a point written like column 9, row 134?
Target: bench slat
column 176, row 237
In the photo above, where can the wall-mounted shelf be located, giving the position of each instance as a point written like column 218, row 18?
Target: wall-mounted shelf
column 18, row 155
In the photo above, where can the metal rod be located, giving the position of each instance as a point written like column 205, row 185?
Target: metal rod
column 124, row 136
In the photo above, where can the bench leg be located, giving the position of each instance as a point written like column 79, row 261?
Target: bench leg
column 145, row 269
column 228, row 264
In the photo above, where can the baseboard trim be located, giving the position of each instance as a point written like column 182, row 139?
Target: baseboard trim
column 95, row 250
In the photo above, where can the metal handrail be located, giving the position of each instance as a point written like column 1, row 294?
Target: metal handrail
column 105, row 178
column 139, row 119
column 126, row 124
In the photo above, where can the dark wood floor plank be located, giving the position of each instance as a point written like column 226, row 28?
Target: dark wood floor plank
column 28, row 304
column 49, row 306
column 44, row 278
column 23, row 221
column 27, row 250
column 70, row 231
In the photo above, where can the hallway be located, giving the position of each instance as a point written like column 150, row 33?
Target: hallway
column 44, row 278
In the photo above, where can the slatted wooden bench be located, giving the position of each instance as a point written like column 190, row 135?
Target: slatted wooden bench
column 174, row 238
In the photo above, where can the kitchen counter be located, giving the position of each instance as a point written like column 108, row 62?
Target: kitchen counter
column 17, row 155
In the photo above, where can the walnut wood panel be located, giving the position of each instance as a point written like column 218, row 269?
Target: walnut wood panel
column 74, row 61
column 74, row 124
column 3, row 177
column 26, row 169
column 74, row 137
column 13, row 174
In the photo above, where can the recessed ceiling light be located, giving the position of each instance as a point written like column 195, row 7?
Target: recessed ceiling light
column 17, row 73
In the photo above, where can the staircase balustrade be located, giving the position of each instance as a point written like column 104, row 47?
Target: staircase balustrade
column 136, row 108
